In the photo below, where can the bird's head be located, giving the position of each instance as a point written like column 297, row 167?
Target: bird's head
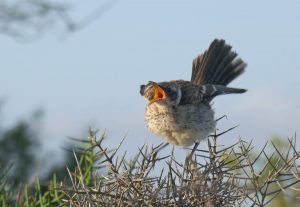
column 164, row 93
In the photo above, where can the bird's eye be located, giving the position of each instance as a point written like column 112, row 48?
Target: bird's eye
column 169, row 90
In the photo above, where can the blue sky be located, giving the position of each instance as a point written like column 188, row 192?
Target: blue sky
column 92, row 77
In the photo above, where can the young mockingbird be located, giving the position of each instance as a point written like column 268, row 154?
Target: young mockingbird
column 179, row 111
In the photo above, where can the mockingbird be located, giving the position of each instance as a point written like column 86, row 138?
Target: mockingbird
column 179, row 111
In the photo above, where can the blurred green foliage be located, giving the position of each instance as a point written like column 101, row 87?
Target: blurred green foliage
column 16, row 148
column 19, row 184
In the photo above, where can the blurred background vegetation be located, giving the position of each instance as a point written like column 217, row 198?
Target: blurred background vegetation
column 28, row 20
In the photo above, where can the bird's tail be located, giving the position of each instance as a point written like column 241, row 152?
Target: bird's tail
column 218, row 65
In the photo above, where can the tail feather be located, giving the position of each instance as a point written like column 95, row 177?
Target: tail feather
column 218, row 65
column 235, row 69
column 221, row 65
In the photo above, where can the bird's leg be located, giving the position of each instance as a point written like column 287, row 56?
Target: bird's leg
column 190, row 156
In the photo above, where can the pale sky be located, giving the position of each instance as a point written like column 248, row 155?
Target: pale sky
column 92, row 77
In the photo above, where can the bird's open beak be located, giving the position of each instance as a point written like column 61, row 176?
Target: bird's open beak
column 159, row 93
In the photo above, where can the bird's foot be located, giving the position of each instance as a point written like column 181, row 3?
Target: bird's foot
column 190, row 156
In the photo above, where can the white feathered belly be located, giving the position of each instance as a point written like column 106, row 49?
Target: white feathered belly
column 183, row 125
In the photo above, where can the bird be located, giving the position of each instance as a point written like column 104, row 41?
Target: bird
column 180, row 111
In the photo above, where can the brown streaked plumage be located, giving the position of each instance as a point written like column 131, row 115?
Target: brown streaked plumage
column 179, row 111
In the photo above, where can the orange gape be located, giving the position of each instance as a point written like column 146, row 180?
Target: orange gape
column 159, row 94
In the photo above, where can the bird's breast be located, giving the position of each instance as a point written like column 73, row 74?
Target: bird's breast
column 181, row 125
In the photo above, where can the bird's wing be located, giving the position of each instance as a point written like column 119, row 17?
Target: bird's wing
column 194, row 94
column 190, row 93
